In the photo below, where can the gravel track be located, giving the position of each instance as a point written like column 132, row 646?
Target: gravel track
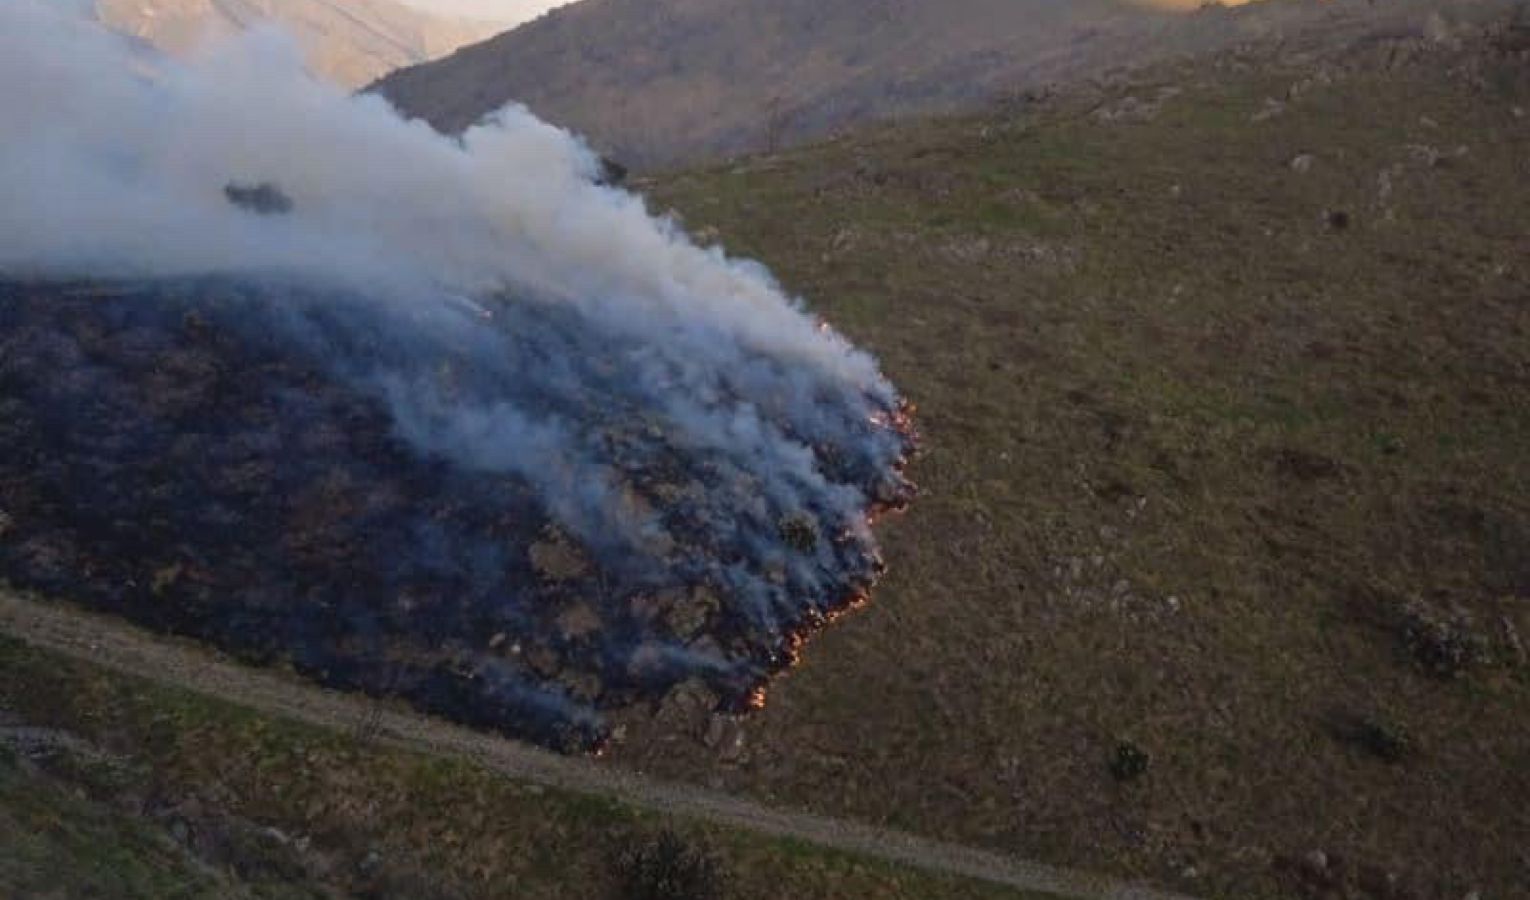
column 119, row 646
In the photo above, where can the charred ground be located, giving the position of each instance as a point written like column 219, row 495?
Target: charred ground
column 220, row 460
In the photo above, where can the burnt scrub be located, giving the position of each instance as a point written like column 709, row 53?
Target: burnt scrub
column 503, row 510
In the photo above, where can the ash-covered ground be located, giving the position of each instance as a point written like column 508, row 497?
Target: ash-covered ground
column 443, row 418
column 276, row 470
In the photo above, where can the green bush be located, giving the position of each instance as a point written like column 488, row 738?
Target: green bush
column 669, row 868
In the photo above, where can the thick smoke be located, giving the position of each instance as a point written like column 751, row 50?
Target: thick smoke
column 669, row 409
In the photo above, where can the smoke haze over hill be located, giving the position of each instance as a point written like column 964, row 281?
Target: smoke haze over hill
column 351, row 43
column 667, row 410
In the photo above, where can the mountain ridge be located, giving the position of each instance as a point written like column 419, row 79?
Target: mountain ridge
column 352, row 43
column 690, row 80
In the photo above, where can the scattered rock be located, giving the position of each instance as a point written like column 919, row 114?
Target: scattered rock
column 1443, row 645
column 725, row 737
column 1513, row 641
column 1386, row 185
column 1127, row 109
column 1322, row 874
column 370, row 863
column 1302, row 163
column 1272, row 109
column 1316, row 861
column 687, row 709
column 1437, row 30
column 45, row 743
column 1424, row 155
column 844, row 239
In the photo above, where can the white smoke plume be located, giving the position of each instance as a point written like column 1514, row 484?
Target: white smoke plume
column 512, row 314
column 116, row 167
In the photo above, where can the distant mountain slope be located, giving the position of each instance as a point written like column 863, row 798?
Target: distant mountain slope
column 350, row 41
column 656, row 82
column 653, row 80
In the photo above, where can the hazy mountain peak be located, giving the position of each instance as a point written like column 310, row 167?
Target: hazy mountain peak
column 352, row 42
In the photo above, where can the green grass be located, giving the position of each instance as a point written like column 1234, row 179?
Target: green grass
column 59, row 842
column 1191, row 453
column 441, row 828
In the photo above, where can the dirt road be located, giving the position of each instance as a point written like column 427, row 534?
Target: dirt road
column 116, row 645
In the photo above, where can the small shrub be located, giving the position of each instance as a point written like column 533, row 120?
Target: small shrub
column 1385, row 742
column 669, row 868
column 1375, row 737
column 799, row 533
column 1443, row 646
column 369, row 728
column 1128, row 762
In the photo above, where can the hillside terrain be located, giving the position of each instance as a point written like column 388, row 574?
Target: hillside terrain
column 1219, row 572
column 113, row 784
column 659, row 83
column 1218, row 579
column 353, row 43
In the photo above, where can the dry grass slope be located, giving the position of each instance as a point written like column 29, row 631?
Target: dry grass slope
column 660, row 82
column 112, row 786
column 1223, row 371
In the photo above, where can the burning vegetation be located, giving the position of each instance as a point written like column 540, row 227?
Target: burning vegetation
column 438, row 418
column 190, row 455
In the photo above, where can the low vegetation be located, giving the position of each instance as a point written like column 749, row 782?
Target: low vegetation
column 113, row 787
column 1206, row 461
column 669, row 868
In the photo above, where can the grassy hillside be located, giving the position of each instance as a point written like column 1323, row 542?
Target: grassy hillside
column 656, row 82
column 653, row 82
column 1220, row 576
column 112, row 787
